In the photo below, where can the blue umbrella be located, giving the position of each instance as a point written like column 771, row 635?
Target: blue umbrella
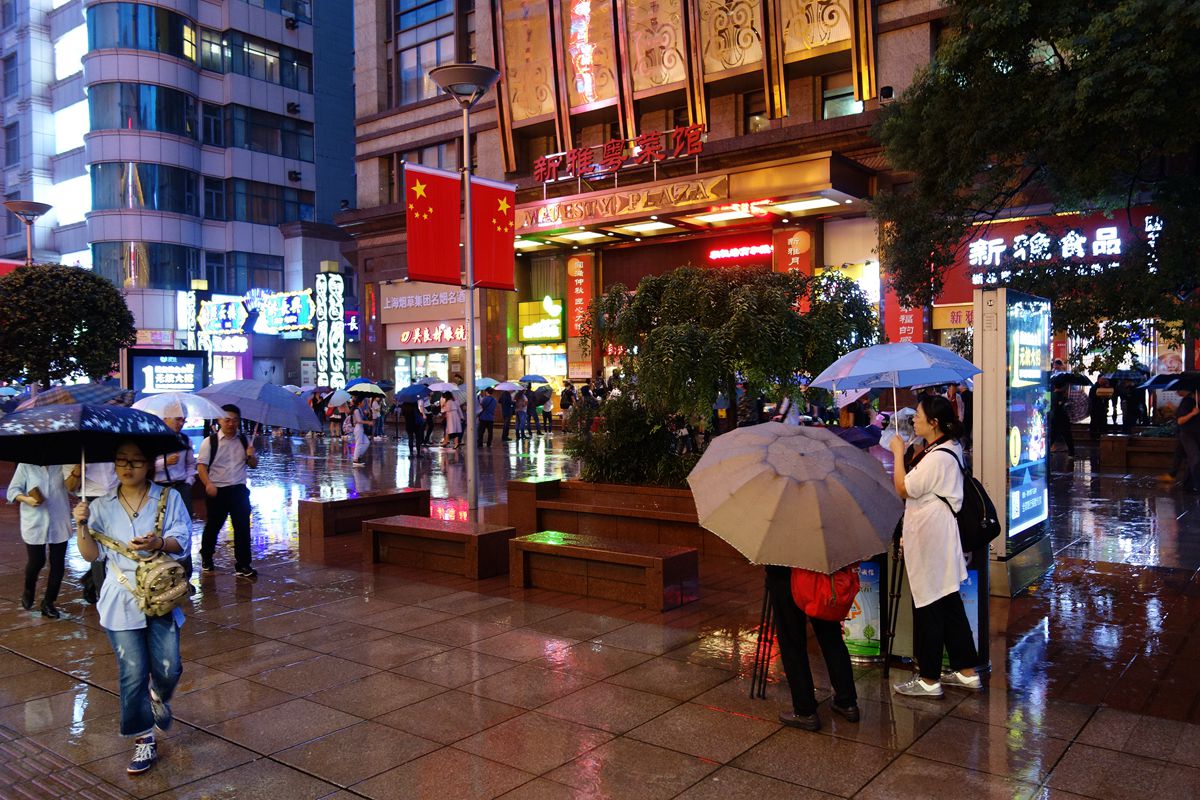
column 62, row 434
column 357, row 381
column 410, row 394
column 486, row 383
column 386, row 385
column 265, row 403
column 89, row 393
column 533, row 379
column 863, row 438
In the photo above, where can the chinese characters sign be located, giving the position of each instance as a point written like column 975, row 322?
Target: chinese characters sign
column 443, row 334
column 961, row 315
column 405, row 303
column 902, row 324
column 222, row 317
column 793, row 249
column 288, row 311
column 746, row 251
column 331, row 329
column 580, row 274
column 647, row 148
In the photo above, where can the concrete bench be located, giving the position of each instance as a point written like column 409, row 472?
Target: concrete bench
column 473, row 549
column 656, row 576
column 322, row 518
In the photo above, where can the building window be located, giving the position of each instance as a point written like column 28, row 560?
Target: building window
column 142, row 107
column 12, row 223
column 214, row 125
column 154, row 265
column 8, row 13
column 12, row 144
column 440, row 156
column 12, row 82
column 240, row 54
column 265, row 132
column 424, row 39
column 148, row 187
column 239, row 272
column 214, row 198
column 837, row 96
column 267, row 203
column 754, row 112
column 300, row 9
column 140, row 27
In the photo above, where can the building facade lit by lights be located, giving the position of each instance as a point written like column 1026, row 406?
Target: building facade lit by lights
column 642, row 136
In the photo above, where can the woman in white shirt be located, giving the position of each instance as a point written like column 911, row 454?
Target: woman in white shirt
column 932, row 487
column 362, row 418
column 146, row 648
column 454, row 420
column 45, row 523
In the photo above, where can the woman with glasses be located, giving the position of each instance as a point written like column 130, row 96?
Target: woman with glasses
column 146, row 647
column 45, row 525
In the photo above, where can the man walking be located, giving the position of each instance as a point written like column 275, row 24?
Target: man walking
column 507, row 409
column 487, row 416
column 221, row 466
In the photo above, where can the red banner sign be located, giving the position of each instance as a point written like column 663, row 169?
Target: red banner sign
column 580, row 282
column 901, row 323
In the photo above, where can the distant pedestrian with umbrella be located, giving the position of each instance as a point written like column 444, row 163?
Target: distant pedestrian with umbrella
column 487, row 416
column 221, row 466
column 45, row 525
column 362, row 422
column 452, row 414
column 932, row 488
column 1187, row 417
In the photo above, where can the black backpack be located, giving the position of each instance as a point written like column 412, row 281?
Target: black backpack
column 214, row 440
column 978, row 522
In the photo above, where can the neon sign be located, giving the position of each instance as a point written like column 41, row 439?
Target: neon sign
column 227, row 317
column 288, row 311
column 541, row 322
column 728, row 253
column 331, row 329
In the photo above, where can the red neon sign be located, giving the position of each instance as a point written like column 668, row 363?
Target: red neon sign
column 746, row 251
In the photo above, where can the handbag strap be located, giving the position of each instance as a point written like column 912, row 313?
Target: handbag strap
column 126, row 550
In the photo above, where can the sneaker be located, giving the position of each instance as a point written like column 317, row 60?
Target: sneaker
column 960, row 681
column 918, row 688
column 210, row 567
column 850, row 712
column 162, row 712
column 358, row 463
column 144, row 755
column 808, row 722
column 247, row 572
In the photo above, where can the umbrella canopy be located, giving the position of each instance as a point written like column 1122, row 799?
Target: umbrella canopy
column 1160, row 381
column 365, row 388
column 62, row 434
column 1185, row 381
column 429, row 379
column 90, row 393
column 532, row 379
column 508, row 386
column 795, row 496
column 1138, row 374
column 339, row 397
column 542, row 395
column 293, row 388
column 1069, row 379
column 410, row 394
column 862, row 438
column 386, row 385
column 178, row 404
column 843, row 399
column 443, row 386
column 265, row 403
column 485, row 383
column 8, row 391
column 894, row 365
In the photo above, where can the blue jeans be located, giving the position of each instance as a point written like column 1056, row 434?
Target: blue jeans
column 149, row 654
column 522, row 424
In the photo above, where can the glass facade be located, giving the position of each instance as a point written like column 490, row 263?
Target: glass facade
column 266, row 203
column 142, row 107
column 147, row 187
column 140, row 27
column 156, row 265
column 235, row 52
column 424, row 39
column 238, row 272
column 260, row 131
column 300, row 9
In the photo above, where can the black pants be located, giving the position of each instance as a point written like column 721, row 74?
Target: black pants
column 35, row 559
column 231, row 502
column 508, row 418
column 793, row 647
column 943, row 625
column 485, row 426
column 548, row 419
column 414, row 426
column 1060, row 427
column 428, row 428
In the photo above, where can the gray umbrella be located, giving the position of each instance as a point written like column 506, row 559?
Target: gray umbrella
column 264, row 403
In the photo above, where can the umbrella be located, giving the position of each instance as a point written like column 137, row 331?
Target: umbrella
column 364, row 388
column 89, row 393
column 445, row 387
column 486, row 383
column 893, row 365
column 179, row 404
column 265, row 403
column 386, row 385
column 847, row 397
column 8, row 391
column 62, row 434
column 862, row 438
column 410, row 394
column 795, row 496
column 509, row 386
column 542, row 395
column 1138, row 374
column 428, row 379
column 1069, row 379
column 1160, row 381
column 338, row 397
column 532, row 379
column 293, row 388
column 1185, row 381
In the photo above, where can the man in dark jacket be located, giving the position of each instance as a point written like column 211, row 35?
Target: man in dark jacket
column 507, row 409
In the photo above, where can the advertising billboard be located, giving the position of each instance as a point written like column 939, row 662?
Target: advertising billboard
column 159, row 371
column 1027, row 407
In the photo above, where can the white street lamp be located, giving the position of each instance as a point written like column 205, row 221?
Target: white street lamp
column 467, row 84
column 28, row 211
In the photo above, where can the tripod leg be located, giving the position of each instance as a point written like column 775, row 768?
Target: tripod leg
column 761, row 662
column 895, row 583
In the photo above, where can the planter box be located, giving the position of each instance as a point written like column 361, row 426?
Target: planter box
column 644, row 514
column 1137, row 452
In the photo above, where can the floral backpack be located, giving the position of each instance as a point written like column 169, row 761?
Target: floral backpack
column 160, row 583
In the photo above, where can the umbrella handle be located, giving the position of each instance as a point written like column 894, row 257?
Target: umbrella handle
column 82, row 471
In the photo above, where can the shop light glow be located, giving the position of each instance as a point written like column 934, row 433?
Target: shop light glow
column 723, row 216
column 748, row 251
column 581, row 236
column 525, row 244
column 647, row 227
column 810, row 204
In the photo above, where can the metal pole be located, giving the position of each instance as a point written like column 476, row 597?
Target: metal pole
column 472, row 423
column 29, row 243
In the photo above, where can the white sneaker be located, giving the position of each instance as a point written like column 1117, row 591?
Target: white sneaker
column 918, row 688
column 960, row 681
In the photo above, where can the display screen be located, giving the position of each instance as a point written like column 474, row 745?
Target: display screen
column 1028, row 405
column 154, row 372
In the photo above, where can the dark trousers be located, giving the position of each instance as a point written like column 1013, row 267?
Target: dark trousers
column 428, row 428
column 35, row 559
column 485, row 426
column 793, row 647
column 548, row 420
column 231, row 502
column 508, row 418
column 943, row 625
column 1060, row 428
column 1191, row 453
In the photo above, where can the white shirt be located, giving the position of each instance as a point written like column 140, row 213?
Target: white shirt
column 933, row 553
column 50, row 522
column 182, row 470
column 98, row 479
column 229, row 466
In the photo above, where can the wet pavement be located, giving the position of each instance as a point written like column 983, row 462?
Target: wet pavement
column 335, row 680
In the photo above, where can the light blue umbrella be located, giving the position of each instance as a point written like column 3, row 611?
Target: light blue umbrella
column 339, row 398
column 885, row 366
column 485, row 383
column 533, row 379
column 265, row 403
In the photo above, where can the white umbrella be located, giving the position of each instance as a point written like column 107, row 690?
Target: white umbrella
column 179, row 404
column 795, row 496
column 339, row 397
column 293, row 388
column 508, row 386
column 265, row 403
column 445, row 387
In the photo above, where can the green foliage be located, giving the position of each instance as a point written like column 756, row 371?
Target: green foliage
column 57, row 321
column 628, row 445
column 962, row 341
column 1079, row 106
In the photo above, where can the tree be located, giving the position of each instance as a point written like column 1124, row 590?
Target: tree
column 1076, row 106
column 57, row 322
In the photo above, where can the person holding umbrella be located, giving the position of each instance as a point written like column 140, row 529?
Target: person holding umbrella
column 362, row 419
column 45, row 524
column 146, row 647
column 932, row 488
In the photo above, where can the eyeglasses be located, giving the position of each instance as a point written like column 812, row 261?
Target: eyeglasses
column 125, row 463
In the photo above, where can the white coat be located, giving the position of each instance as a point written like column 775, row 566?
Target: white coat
column 933, row 553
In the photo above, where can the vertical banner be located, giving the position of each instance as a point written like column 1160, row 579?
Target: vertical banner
column 581, row 271
column 901, row 323
column 331, row 330
column 432, row 200
column 493, row 222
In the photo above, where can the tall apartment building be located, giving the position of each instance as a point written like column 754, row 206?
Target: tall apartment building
column 173, row 138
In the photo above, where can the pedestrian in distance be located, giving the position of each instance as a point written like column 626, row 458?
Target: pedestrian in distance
column 535, row 411
column 487, row 416
column 337, row 418
column 452, row 413
column 1187, row 417
column 521, row 405
column 508, row 409
column 45, row 525
column 221, row 465
column 178, row 471
column 146, row 647
column 1060, row 419
column 414, row 425
column 361, row 415
column 932, row 488
column 430, row 409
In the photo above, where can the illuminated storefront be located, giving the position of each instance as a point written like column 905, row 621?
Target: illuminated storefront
column 424, row 328
column 541, row 333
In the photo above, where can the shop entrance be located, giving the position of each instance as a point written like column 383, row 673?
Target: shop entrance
column 410, row 366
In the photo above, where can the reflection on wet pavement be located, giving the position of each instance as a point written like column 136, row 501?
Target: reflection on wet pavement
column 339, row 680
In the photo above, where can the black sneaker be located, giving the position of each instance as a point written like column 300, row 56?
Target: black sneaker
column 145, row 753
column 808, row 722
column 210, row 567
column 246, row 572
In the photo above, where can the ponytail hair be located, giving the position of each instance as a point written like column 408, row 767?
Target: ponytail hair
column 940, row 410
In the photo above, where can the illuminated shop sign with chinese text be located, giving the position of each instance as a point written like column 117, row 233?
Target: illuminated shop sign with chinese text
column 729, row 253
column 684, row 141
column 228, row 317
column 288, row 311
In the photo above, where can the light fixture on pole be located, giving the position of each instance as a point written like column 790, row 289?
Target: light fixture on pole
column 28, row 211
column 467, row 84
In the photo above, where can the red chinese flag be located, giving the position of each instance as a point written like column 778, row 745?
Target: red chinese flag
column 493, row 222
column 433, row 198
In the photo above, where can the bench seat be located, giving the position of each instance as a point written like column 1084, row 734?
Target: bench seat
column 474, row 550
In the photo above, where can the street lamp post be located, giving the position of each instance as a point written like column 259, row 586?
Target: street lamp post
column 467, row 84
column 28, row 211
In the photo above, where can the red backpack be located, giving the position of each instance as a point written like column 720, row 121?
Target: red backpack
column 825, row 596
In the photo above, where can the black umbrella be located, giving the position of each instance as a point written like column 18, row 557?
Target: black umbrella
column 1069, row 379
column 1137, row 373
column 64, row 434
column 1186, row 380
column 542, row 395
column 862, row 438
column 1160, row 381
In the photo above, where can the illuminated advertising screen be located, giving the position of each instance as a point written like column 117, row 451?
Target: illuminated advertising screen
column 1027, row 405
column 158, row 371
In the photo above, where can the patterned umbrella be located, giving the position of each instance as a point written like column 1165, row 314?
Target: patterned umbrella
column 265, row 403
column 62, row 434
column 88, row 393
